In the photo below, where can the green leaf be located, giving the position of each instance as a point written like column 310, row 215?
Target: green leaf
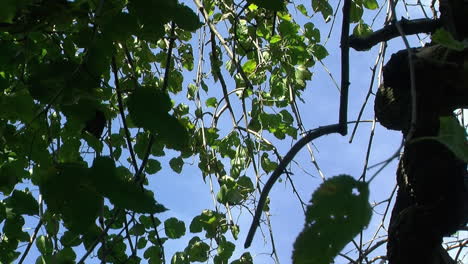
column 212, row 222
column 70, row 239
column 121, row 26
column 8, row 11
column 245, row 184
column 51, row 222
column 267, row 165
column 132, row 197
column 453, row 136
column 44, row 245
column 288, row 29
column 249, row 67
column 99, row 57
column 362, row 29
column 174, row 228
column 338, row 211
column 70, row 151
column 198, row 251
column 20, row 106
column 273, row 5
column 226, row 249
column 446, row 39
column 146, row 105
column 186, row 19
column 93, row 142
column 13, row 228
column 323, row 7
column 22, row 202
column 275, row 39
column 235, row 230
column 319, row 51
column 153, row 254
column 356, row 11
column 302, row 75
column 152, row 166
column 138, row 229
column 175, row 82
column 142, row 242
column 148, row 108
column 312, row 33
column 180, row 258
column 302, row 9
column 10, row 175
column 66, row 255
column 80, row 204
column 176, row 164
column 246, row 258
column 370, row 4
column 8, row 248
column 122, row 192
column 196, row 225
column 221, row 197
column 211, row 102
column 3, row 213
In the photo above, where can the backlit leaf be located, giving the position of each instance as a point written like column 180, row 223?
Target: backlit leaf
column 370, row 4
column 446, row 39
column 44, row 245
column 176, row 164
column 186, row 19
column 323, row 7
column 22, row 202
column 362, row 29
column 453, row 136
column 197, row 250
column 273, row 5
column 174, row 228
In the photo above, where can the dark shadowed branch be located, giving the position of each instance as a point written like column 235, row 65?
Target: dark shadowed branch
column 311, row 135
column 409, row 27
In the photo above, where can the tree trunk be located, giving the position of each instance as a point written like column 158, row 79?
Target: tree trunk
column 431, row 199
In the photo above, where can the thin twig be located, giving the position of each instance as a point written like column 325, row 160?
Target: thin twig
column 122, row 114
column 100, row 237
column 380, row 57
column 31, row 241
column 139, row 172
column 217, row 72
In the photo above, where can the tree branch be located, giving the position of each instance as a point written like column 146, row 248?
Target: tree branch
column 311, row 135
column 31, row 241
column 343, row 118
column 341, row 127
column 122, row 113
column 410, row 27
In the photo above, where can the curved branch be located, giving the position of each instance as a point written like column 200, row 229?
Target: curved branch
column 311, row 135
column 341, row 127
